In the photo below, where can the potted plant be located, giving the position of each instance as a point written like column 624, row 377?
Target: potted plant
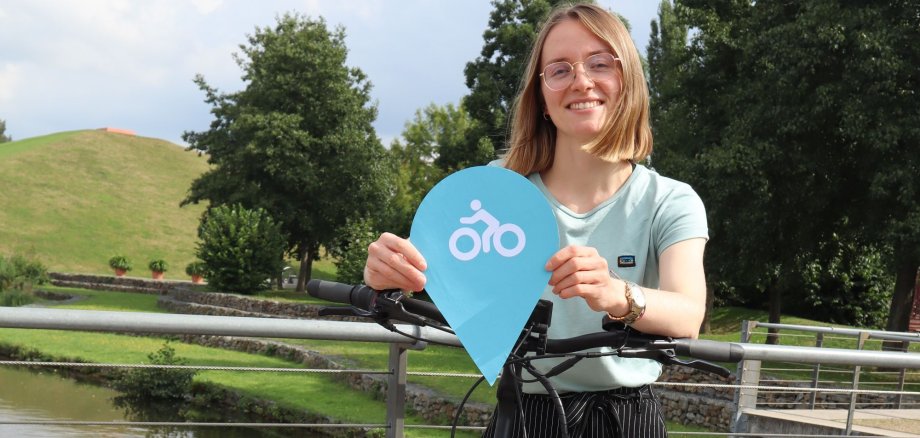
column 120, row 264
column 196, row 270
column 158, row 267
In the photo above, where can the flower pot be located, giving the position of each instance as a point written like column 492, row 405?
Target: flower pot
column 120, row 272
column 157, row 275
column 197, row 279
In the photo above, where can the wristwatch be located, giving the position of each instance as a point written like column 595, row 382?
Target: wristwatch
column 635, row 297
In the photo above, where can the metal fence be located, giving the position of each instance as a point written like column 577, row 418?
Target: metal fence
column 175, row 324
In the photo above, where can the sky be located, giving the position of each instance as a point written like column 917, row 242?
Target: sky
column 68, row 65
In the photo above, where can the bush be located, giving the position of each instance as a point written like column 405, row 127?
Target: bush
column 15, row 298
column 197, row 268
column 241, row 248
column 350, row 250
column 158, row 265
column 152, row 385
column 120, row 262
column 19, row 273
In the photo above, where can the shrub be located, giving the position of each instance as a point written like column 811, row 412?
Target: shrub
column 152, row 385
column 196, row 268
column 19, row 273
column 350, row 250
column 15, row 298
column 241, row 248
column 120, row 262
column 158, row 265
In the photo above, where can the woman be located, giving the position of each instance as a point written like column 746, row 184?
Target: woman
column 632, row 240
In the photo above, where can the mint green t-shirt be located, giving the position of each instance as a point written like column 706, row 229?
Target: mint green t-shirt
column 631, row 230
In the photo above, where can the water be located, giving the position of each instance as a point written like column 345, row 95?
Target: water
column 45, row 396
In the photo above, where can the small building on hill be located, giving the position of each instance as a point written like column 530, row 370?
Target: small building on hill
column 119, row 131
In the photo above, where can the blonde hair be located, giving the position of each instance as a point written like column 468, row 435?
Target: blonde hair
column 626, row 134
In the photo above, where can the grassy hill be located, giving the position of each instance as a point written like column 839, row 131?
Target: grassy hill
column 74, row 199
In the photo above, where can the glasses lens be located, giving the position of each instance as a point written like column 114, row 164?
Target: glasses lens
column 601, row 66
column 558, row 75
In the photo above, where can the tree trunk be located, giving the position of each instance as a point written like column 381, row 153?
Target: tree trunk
column 776, row 303
column 705, row 327
column 306, row 268
column 903, row 297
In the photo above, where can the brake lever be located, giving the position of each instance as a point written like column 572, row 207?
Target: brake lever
column 344, row 311
column 665, row 355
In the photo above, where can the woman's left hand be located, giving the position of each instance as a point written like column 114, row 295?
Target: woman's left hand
column 580, row 271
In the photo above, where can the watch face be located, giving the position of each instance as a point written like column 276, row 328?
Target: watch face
column 638, row 296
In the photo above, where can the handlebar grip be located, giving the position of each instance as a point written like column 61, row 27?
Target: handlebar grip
column 709, row 350
column 359, row 296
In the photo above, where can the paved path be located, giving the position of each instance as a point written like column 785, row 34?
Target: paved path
column 871, row 422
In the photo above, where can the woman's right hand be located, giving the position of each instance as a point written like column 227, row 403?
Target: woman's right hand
column 394, row 263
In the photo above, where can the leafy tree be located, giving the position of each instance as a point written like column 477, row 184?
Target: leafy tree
column 350, row 250
column 298, row 140
column 3, row 137
column 494, row 77
column 793, row 110
column 433, row 146
column 240, row 247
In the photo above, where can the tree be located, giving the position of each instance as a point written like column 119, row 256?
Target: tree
column 3, row 137
column 494, row 77
column 792, row 111
column 298, row 140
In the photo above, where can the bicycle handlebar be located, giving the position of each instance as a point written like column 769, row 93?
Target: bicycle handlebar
column 393, row 304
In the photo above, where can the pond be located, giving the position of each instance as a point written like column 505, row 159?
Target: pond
column 43, row 395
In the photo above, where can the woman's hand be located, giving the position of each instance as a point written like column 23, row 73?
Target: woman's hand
column 579, row 271
column 394, row 263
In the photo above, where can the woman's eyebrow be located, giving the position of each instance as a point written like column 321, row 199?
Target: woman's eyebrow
column 590, row 54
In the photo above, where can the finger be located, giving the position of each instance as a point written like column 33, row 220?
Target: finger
column 567, row 253
column 407, row 249
column 593, row 277
column 382, row 275
column 580, row 263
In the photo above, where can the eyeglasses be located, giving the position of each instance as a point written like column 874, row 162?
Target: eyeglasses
column 559, row 75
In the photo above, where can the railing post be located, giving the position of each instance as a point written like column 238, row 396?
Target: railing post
column 863, row 336
column 819, row 341
column 396, row 391
column 748, row 375
column 901, row 378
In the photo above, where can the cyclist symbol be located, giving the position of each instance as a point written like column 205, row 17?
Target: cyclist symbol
column 491, row 236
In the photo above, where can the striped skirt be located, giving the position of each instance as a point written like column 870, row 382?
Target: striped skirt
column 621, row 412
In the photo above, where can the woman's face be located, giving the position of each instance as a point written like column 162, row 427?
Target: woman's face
column 578, row 110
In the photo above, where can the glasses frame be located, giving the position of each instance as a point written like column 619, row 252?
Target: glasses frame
column 573, row 64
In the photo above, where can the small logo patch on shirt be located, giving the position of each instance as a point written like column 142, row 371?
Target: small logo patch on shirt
column 626, row 261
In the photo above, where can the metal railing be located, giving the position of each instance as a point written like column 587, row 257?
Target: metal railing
column 176, row 324
column 750, row 369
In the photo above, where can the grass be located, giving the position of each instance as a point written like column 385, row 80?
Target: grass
column 314, row 392
column 84, row 196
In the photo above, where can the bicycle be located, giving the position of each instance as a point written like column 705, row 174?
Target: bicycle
column 533, row 344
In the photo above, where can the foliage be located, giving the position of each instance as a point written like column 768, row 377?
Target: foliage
column 297, row 141
column 849, row 286
column 494, row 77
column 241, row 248
column 3, row 137
column 120, row 262
column 158, row 265
column 151, row 385
column 433, row 148
column 15, row 298
column 350, row 253
column 765, row 112
column 198, row 268
column 21, row 273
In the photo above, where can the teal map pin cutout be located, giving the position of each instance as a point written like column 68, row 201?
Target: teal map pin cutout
column 486, row 233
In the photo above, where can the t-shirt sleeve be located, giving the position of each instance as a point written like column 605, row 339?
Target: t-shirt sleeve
column 681, row 216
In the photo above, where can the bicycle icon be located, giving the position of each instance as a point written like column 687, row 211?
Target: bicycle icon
column 492, row 236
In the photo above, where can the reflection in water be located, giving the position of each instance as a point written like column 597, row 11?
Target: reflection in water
column 42, row 395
